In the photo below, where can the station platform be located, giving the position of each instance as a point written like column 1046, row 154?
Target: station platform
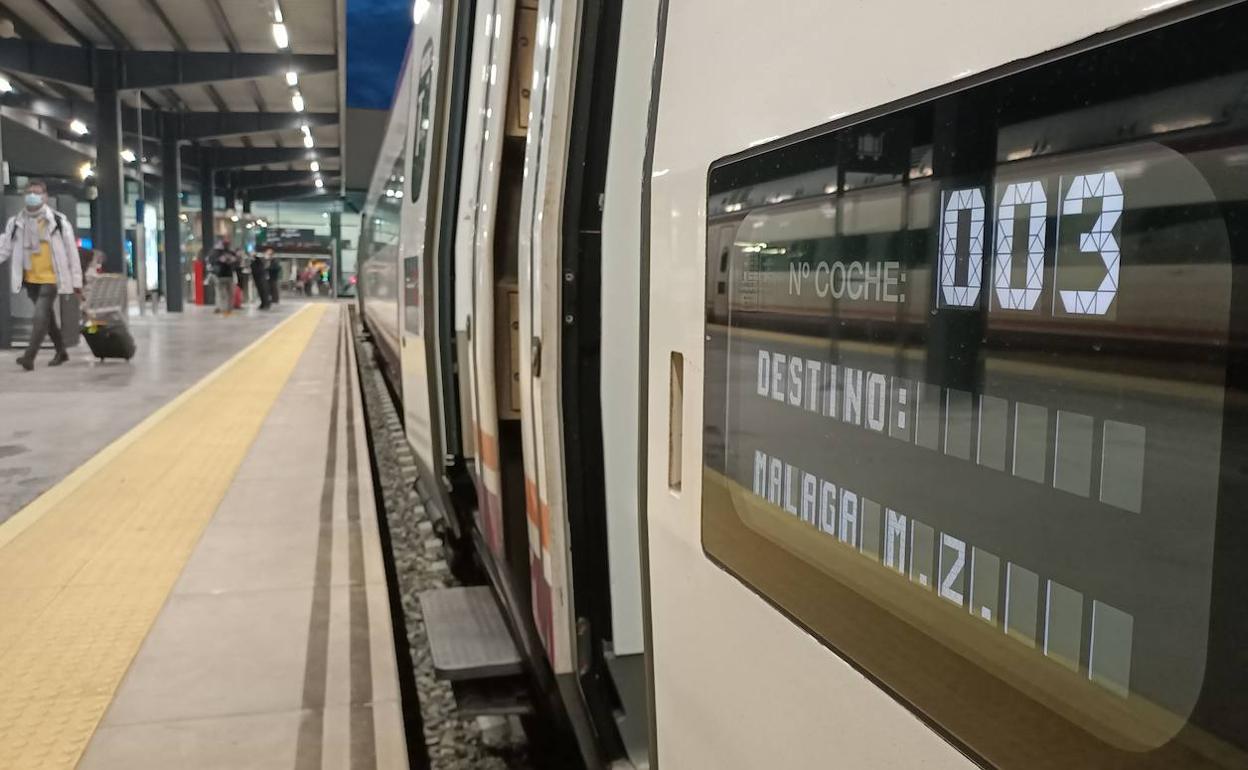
column 191, row 575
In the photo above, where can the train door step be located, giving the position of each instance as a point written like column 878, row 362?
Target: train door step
column 629, row 675
column 495, row 697
column 468, row 638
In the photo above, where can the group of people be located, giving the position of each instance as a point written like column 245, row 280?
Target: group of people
column 226, row 265
column 313, row 278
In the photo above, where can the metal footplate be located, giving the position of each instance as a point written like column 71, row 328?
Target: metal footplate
column 467, row 636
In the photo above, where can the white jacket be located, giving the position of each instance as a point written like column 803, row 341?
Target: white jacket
column 64, row 251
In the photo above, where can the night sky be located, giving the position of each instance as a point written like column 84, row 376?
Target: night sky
column 377, row 35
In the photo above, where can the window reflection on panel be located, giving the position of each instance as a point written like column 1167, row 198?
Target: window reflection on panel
column 986, row 342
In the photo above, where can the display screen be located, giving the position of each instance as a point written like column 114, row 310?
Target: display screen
column 974, row 398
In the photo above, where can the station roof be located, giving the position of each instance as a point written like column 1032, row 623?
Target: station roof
column 236, row 102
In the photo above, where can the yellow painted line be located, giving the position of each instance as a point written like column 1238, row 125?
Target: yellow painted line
column 86, row 567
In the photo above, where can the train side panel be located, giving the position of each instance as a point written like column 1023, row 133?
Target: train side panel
column 736, row 75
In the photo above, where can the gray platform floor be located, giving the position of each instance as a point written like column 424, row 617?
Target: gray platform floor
column 275, row 649
column 54, row 419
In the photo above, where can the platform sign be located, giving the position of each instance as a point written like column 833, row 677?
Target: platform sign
column 967, row 399
column 292, row 240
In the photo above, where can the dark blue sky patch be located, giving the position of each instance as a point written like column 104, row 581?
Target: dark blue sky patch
column 377, row 35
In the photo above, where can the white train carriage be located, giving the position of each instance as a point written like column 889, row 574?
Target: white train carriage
column 836, row 384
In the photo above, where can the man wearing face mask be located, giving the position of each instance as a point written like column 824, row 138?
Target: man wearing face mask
column 44, row 261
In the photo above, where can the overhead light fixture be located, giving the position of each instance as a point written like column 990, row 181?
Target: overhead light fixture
column 296, row 101
column 277, row 13
column 315, row 166
column 292, row 78
column 233, row 217
column 85, row 171
column 307, row 141
column 5, row 85
column 320, row 183
column 280, row 35
column 128, row 155
column 78, row 127
column 184, row 217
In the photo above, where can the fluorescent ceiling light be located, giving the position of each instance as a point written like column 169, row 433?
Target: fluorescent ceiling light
column 280, row 36
column 319, row 183
column 315, row 166
column 128, row 155
column 292, row 78
column 77, row 126
column 85, row 171
column 296, row 101
column 307, row 141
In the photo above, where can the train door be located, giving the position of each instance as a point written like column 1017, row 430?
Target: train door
column 420, row 190
column 540, row 321
column 475, row 254
column 561, row 268
column 619, row 287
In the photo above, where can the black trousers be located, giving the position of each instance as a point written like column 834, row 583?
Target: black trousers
column 43, row 324
column 262, row 288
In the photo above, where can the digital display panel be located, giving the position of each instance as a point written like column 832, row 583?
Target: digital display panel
column 974, row 392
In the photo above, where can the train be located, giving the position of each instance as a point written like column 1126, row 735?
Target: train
column 835, row 384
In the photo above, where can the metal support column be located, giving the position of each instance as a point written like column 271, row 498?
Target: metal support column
column 6, row 319
column 207, row 228
column 110, row 230
column 171, row 184
column 335, row 241
column 207, row 191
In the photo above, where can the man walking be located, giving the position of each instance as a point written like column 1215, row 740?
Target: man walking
column 260, row 277
column 44, row 261
column 224, row 260
column 275, row 275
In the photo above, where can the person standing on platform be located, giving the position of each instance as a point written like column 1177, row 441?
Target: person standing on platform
column 224, row 261
column 43, row 253
column 260, row 276
column 275, row 275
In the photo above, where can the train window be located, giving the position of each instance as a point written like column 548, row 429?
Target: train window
column 975, row 399
column 421, row 123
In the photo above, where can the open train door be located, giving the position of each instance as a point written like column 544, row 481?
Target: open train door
column 560, row 253
column 419, row 189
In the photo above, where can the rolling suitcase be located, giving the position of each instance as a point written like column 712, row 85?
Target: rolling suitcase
column 104, row 327
column 109, row 340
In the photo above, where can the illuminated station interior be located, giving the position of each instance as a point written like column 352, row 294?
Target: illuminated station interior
column 591, row 385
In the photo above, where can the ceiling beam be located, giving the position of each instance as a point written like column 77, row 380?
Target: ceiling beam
column 248, row 180
column 291, row 192
column 205, row 125
column 76, row 65
column 152, row 69
column 242, row 157
column 187, row 125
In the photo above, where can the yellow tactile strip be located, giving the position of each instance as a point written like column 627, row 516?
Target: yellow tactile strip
column 85, row 568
